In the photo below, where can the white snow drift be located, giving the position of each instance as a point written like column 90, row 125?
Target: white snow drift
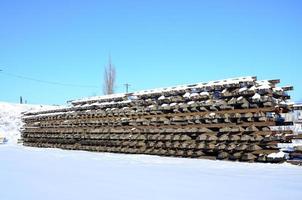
column 10, row 119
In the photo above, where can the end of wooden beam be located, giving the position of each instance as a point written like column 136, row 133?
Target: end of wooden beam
column 254, row 78
column 297, row 107
column 288, row 88
column 274, row 81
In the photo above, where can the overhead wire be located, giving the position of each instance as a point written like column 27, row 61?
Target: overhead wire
column 46, row 81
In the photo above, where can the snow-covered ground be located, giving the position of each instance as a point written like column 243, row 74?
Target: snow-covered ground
column 10, row 119
column 34, row 174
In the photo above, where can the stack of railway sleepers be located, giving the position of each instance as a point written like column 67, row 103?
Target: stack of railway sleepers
column 227, row 119
column 295, row 152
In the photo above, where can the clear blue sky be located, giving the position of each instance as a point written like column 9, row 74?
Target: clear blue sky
column 153, row 43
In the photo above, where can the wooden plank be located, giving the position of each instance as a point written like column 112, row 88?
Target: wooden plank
column 274, row 81
column 92, row 115
column 288, row 88
column 218, row 125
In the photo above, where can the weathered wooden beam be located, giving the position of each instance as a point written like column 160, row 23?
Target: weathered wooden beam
column 274, row 81
column 288, row 88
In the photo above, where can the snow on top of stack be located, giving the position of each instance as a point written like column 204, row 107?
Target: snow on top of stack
column 199, row 85
column 229, row 81
column 189, row 92
column 263, row 84
column 167, row 89
column 104, row 97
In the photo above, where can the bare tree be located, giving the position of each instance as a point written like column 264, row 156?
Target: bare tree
column 109, row 78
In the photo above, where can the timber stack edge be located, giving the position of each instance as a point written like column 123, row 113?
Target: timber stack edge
column 228, row 119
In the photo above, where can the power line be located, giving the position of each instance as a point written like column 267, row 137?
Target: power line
column 46, row 81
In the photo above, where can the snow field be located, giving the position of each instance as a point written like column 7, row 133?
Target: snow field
column 32, row 173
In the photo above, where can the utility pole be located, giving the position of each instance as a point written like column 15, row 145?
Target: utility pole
column 127, row 85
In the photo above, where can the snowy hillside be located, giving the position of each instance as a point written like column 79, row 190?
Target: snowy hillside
column 34, row 174
column 10, row 119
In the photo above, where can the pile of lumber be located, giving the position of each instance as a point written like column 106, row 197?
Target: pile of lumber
column 295, row 152
column 228, row 119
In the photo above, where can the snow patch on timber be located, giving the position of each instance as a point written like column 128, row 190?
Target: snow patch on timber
column 174, row 88
column 279, row 154
column 190, row 90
